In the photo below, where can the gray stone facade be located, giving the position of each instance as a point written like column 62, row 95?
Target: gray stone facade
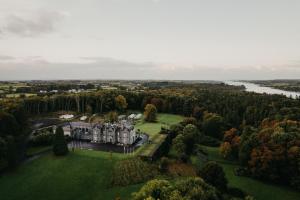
column 121, row 132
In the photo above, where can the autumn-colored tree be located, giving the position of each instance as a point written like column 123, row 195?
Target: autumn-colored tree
column 225, row 149
column 230, row 147
column 121, row 103
column 158, row 102
column 273, row 152
column 150, row 113
column 112, row 116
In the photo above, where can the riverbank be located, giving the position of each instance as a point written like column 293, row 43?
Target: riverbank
column 252, row 87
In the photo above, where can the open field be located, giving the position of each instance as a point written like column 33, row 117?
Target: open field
column 153, row 129
column 260, row 190
column 79, row 175
column 17, row 95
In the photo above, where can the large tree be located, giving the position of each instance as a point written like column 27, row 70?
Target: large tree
column 150, row 113
column 60, row 146
column 121, row 103
column 213, row 174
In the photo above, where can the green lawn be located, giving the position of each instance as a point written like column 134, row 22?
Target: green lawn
column 153, row 129
column 80, row 175
column 162, row 119
column 260, row 190
column 39, row 149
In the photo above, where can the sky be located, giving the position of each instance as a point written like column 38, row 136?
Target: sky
column 149, row 39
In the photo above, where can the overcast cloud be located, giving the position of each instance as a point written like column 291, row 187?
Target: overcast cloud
column 149, row 39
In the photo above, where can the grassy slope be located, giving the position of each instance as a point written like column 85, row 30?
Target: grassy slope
column 80, row 175
column 256, row 188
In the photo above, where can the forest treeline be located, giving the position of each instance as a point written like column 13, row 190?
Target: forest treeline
column 235, row 106
column 265, row 126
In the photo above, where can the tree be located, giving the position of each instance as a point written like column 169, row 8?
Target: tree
column 60, row 146
column 187, row 107
column 213, row 174
column 198, row 112
column 213, row 125
column 179, row 145
column 150, row 113
column 121, row 103
column 230, row 147
column 158, row 102
column 157, row 189
column 112, row 116
column 191, row 136
column 89, row 109
column 188, row 189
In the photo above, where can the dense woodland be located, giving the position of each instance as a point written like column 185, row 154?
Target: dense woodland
column 260, row 131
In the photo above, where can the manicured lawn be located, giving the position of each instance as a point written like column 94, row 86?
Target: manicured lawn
column 153, row 129
column 80, row 175
column 260, row 190
column 162, row 119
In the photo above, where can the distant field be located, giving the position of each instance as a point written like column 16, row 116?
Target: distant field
column 17, row 95
column 153, row 129
column 83, row 175
column 260, row 190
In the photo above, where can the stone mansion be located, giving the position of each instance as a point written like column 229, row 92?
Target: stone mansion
column 121, row 132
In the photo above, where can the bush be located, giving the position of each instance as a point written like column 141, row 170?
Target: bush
column 242, row 171
column 190, row 188
column 60, row 146
column 44, row 138
column 132, row 171
column 213, row 174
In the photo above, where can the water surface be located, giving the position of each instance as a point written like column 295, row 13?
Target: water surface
column 252, row 87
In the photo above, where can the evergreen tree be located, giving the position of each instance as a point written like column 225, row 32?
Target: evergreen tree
column 60, row 147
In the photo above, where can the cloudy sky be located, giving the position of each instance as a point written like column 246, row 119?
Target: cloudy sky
column 149, row 39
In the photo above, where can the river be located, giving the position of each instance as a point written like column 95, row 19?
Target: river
column 251, row 87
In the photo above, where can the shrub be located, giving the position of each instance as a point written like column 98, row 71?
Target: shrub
column 44, row 138
column 154, row 189
column 213, row 174
column 132, row 171
column 189, row 188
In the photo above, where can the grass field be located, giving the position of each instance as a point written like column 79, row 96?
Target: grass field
column 153, row 129
column 36, row 150
column 260, row 190
column 79, row 175
column 162, row 119
column 17, row 95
